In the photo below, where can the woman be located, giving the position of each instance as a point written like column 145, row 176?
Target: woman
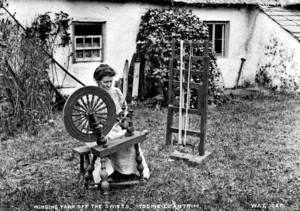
column 122, row 162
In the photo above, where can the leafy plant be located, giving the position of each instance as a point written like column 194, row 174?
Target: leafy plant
column 157, row 29
column 277, row 69
column 24, row 67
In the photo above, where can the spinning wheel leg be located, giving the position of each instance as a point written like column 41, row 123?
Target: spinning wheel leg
column 87, row 158
column 139, row 160
column 89, row 173
column 104, row 176
column 82, row 170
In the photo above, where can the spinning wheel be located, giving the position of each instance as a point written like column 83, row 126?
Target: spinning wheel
column 89, row 115
column 86, row 103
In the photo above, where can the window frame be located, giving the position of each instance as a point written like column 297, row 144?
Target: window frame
column 76, row 48
column 225, row 36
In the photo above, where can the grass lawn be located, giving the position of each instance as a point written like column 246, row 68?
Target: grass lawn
column 255, row 164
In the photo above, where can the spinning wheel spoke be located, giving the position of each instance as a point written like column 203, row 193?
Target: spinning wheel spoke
column 79, row 119
column 84, row 104
column 98, row 106
column 78, row 107
column 76, row 112
column 101, row 109
column 83, row 124
column 96, row 103
column 89, row 129
column 100, row 116
column 92, row 102
column 78, row 115
column 89, row 103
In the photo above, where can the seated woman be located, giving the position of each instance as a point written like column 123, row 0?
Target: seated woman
column 122, row 162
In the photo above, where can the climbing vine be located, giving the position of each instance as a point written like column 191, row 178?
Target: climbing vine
column 277, row 69
column 157, row 29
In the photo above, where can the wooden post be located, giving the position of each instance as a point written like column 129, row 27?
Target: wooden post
column 170, row 98
column 239, row 73
column 125, row 78
column 135, row 84
column 181, row 95
column 142, row 78
column 204, row 101
column 130, row 78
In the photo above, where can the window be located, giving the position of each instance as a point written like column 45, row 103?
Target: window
column 88, row 38
column 218, row 35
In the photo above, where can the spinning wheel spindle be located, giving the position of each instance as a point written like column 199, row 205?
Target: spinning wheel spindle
column 101, row 140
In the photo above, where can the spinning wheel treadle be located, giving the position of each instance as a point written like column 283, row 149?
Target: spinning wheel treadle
column 84, row 102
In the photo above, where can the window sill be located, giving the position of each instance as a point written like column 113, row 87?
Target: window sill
column 87, row 60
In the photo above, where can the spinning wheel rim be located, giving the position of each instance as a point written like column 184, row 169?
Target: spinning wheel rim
column 76, row 102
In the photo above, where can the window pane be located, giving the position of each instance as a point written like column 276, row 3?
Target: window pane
column 79, row 42
column 218, row 46
column 96, row 53
column 88, row 42
column 88, row 29
column 79, row 54
column 219, row 31
column 96, row 42
column 87, row 53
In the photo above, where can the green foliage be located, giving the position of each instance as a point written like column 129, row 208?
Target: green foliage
column 48, row 28
column 277, row 68
column 26, row 88
column 157, row 29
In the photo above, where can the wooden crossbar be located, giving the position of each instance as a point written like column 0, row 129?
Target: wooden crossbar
column 193, row 72
column 192, row 84
column 190, row 110
column 189, row 132
column 194, row 58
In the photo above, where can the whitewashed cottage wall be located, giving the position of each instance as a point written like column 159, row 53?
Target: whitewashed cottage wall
column 264, row 29
column 121, row 28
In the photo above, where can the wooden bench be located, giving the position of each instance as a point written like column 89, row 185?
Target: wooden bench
column 113, row 146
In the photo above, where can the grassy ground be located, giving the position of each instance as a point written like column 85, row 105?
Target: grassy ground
column 255, row 164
